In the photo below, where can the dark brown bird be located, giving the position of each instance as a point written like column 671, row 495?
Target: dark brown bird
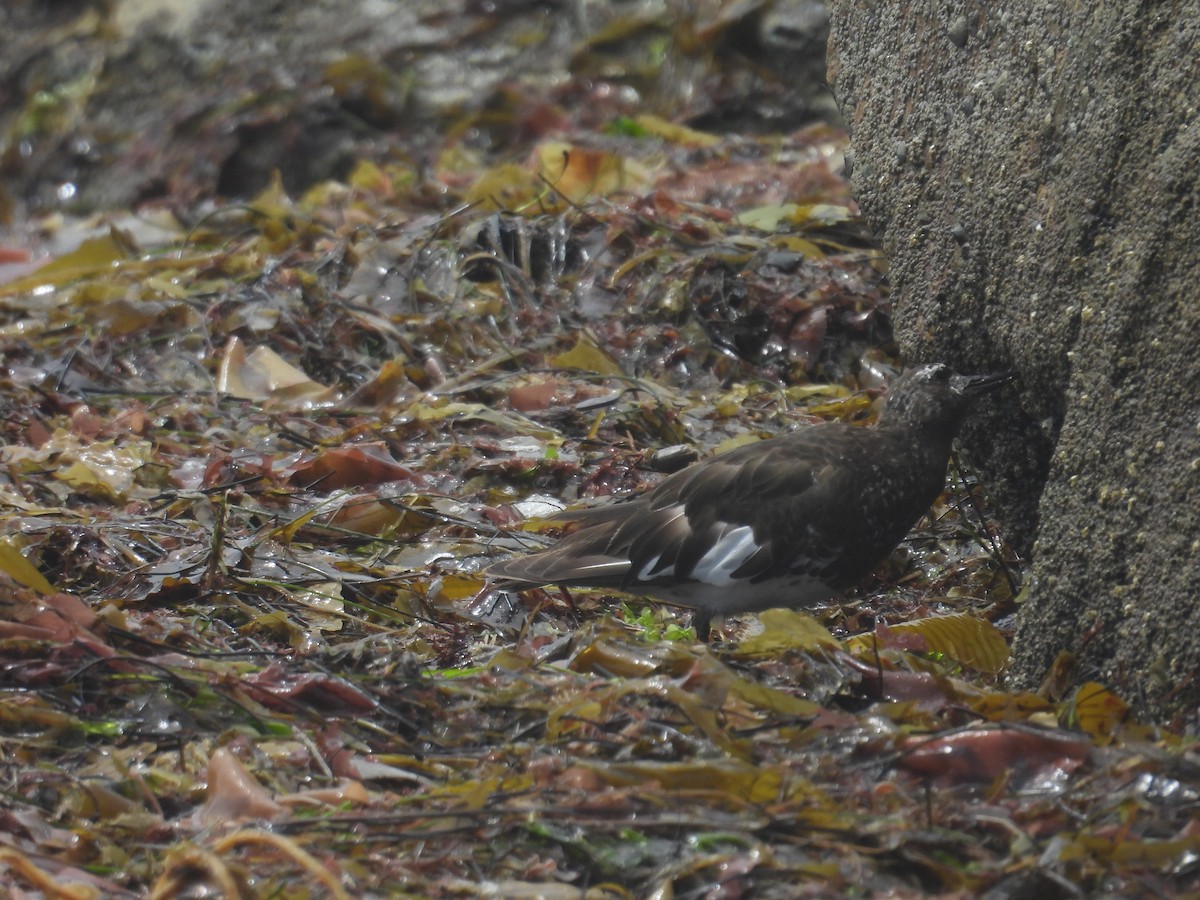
column 787, row 522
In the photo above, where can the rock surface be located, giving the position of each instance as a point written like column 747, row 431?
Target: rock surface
column 1032, row 172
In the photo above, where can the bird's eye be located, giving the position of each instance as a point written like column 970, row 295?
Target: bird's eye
column 940, row 374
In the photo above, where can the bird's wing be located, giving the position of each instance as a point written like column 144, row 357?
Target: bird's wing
column 578, row 558
column 728, row 518
column 717, row 521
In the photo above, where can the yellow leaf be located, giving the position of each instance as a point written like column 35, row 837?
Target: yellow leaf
column 581, row 173
column 842, row 408
column 786, row 629
column 371, row 179
column 615, row 659
column 675, row 134
column 427, row 412
column 505, row 186
column 736, row 778
column 801, row 393
column 1099, row 711
column 14, row 564
column 326, row 605
column 95, row 256
column 572, row 716
column 766, row 218
column 761, row 696
column 85, row 480
column 102, row 469
column 460, row 587
column 285, row 534
column 1010, row 707
column 273, row 202
column 819, row 215
column 732, row 443
column 805, row 248
column 807, row 216
column 967, row 639
column 166, row 287
column 587, row 356
column 1124, row 851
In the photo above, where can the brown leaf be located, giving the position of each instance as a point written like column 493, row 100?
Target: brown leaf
column 355, row 465
column 278, row 688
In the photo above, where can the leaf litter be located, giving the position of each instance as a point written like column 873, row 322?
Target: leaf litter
column 256, row 459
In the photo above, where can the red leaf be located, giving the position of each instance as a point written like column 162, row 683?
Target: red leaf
column 985, row 754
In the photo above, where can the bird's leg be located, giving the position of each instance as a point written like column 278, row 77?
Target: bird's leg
column 570, row 601
column 702, row 622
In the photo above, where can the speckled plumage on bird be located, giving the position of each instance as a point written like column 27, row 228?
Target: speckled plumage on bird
column 787, row 522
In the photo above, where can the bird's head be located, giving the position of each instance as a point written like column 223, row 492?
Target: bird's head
column 933, row 398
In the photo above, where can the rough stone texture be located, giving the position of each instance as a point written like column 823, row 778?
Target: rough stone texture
column 1034, row 170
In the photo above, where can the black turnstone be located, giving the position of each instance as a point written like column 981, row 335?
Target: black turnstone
column 790, row 521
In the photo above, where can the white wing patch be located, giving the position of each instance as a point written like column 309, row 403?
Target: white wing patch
column 717, row 565
column 726, row 556
column 648, row 568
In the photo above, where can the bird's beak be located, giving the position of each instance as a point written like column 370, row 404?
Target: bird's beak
column 971, row 385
